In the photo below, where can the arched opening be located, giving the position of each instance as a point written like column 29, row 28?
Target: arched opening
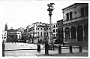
column 67, row 34
column 73, row 33
column 86, row 32
column 79, row 33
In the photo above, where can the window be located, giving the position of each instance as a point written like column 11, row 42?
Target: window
column 4, row 37
column 82, row 12
column 44, row 28
column 44, row 34
column 54, row 26
column 54, row 30
column 47, row 28
column 38, row 28
column 67, row 16
column 41, row 33
column 41, row 28
column 86, row 10
column 47, row 33
column 70, row 15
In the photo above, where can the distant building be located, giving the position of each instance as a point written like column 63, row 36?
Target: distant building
column 54, row 28
column 21, row 29
column 75, row 22
column 13, row 35
column 4, row 33
column 59, row 31
column 4, row 36
column 38, row 31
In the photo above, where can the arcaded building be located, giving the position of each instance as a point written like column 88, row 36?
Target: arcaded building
column 75, row 22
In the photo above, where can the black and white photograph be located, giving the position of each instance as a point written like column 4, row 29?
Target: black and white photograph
column 44, row 29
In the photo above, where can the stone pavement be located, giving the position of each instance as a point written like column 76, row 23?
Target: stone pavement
column 65, row 52
column 20, row 49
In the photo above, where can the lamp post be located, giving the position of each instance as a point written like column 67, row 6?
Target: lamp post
column 46, row 41
column 50, row 9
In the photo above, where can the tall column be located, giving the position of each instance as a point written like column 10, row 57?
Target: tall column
column 50, row 29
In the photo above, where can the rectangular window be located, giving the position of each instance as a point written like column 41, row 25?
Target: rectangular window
column 4, row 37
column 47, row 33
column 41, row 33
column 70, row 15
column 67, row 16
column 54, row 26
column 38, row 28
column 41, row 28
column 44, row 28
column 54, row 30
column 44, row 34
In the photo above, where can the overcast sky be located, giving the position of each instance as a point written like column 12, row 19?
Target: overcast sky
column 23, row 13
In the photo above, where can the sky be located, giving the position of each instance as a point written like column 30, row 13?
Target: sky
column 23, row 13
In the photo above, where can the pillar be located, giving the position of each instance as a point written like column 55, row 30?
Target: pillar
column 64, row 34
column 83, row 34
column 70, row 34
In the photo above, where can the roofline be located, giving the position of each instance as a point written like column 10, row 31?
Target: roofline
column 72, row 5
column 60, row 20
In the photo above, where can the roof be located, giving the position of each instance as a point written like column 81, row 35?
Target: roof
column 12, row 30
column 60, row 20
column 41, row 26
column 72, row 5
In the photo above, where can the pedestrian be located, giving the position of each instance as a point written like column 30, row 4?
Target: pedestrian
column 38, row 48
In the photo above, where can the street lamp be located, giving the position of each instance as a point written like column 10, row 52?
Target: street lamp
column 50, row 9
column 46, row 41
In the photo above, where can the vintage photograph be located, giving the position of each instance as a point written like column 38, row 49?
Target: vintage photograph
column 44, row 28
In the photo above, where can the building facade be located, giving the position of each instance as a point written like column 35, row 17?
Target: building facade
column 75, row 22
column 54, row 29
column 38, row 31
column 13, row 35
column 59, row 31
column 4, row 36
